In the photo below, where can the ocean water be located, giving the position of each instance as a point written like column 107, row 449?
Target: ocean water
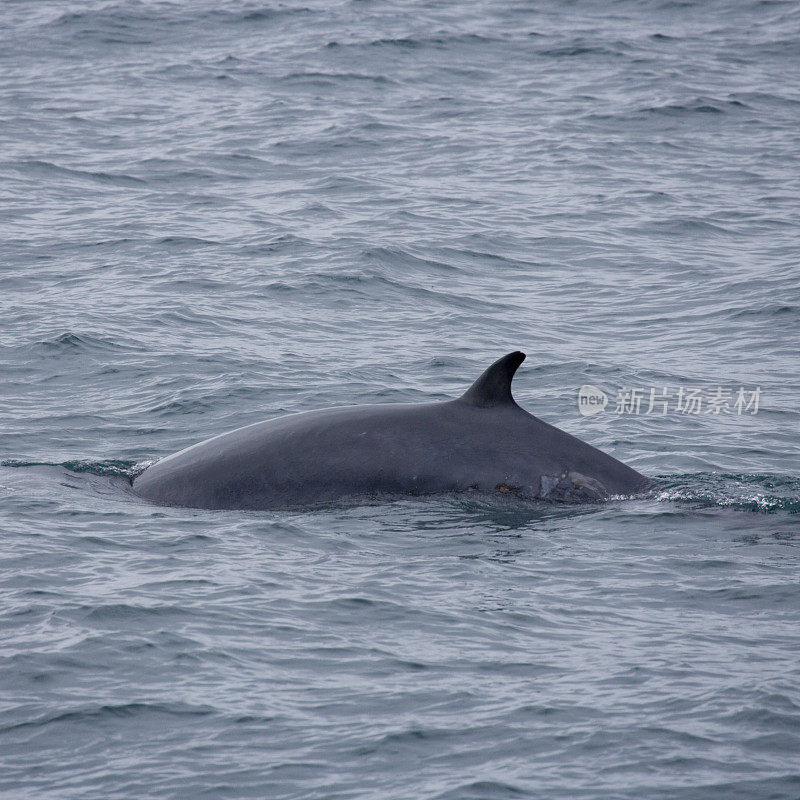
column 214, row 213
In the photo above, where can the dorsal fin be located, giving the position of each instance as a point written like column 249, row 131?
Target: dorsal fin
column 493, row 388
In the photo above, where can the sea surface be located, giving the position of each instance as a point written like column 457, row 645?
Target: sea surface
column 214, row 213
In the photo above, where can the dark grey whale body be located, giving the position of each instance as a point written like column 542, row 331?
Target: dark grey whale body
column 483, row 441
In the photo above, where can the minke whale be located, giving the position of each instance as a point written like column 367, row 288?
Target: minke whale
column 481, row 442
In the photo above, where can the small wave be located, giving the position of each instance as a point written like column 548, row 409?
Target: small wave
column 688, row 225
column 483, row 790
column 106, row 469
column 700, row 105
column 187, row 241
column 772, row 310
column 251, row 14
column 48, row 169
column 399, row 259
column 408, row 43
column 760, row 493
column 116, row 614
column 146, row 23
column 282, row 243
column 364, row 285
column 104, row 712
column 573, row 50
column 332, row 78
column 181, row 407
column 68, row 341
column 84, row 343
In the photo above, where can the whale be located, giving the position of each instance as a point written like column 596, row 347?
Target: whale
column 480, row 442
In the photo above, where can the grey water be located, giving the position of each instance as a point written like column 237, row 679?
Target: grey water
column 214, row 213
